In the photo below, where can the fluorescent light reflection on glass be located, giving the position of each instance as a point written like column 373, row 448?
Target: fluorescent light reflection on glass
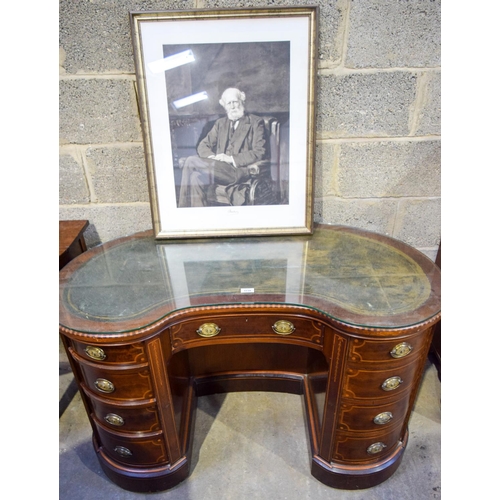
column 171, row 62
column 186, row 101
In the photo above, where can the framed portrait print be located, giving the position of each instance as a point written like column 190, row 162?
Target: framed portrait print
column 227, row 105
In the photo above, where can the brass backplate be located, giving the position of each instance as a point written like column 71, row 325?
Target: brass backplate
column 95, row 352
column 283, row 327
column 208, row 330
column 391, row 383
column 383, row 418
column 103, row 385
column 376, row 448
column 401, row 350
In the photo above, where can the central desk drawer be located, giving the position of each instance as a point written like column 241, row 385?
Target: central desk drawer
column 245, row 328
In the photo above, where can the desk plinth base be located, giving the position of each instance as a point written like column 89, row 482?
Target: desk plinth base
column 338, row 476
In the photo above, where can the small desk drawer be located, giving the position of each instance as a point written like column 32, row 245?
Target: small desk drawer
column 125, row 418
column 377, row 384
column 143, row 450
column 118, row 384
column 358, row 448
column 358, row 417
column 133, row 353
column 394, row 352
column 246, row 327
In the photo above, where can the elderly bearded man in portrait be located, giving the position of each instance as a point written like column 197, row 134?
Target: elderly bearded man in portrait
column 226, row 154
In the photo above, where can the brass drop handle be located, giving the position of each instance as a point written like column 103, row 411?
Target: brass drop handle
column 383, row 418
column 375, row 448
column 401, row 350
column 122, row 451
column 391, row 383
column 208, row 330
column 103, row 385
column 283, row 327
column 114, row 419
column 95, row 353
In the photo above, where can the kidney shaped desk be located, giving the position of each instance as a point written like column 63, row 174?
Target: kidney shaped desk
column 342, row 317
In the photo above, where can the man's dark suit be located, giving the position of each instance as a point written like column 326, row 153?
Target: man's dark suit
column 247, row 145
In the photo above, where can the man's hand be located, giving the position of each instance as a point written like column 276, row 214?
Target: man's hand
column 253, row 169
column 225, row 158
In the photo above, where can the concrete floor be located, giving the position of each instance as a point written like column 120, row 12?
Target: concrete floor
column 251, row 446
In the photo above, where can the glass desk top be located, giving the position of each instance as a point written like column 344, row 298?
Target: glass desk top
column 354, row 276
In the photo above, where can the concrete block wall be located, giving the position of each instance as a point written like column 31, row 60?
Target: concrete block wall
column 378, row 116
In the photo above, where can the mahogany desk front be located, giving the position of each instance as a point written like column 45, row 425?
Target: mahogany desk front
column 343, row 317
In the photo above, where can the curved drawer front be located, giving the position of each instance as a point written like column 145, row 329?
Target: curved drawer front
column 358, row 448
column 133, row 353
column 126, row 418
column 394, row 352
column 144, row 450
column 377, row 417
column 286, row 328
column 368, row 384
column 131, row 384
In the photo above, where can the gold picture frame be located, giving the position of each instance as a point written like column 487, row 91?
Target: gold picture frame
column 199, row 70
